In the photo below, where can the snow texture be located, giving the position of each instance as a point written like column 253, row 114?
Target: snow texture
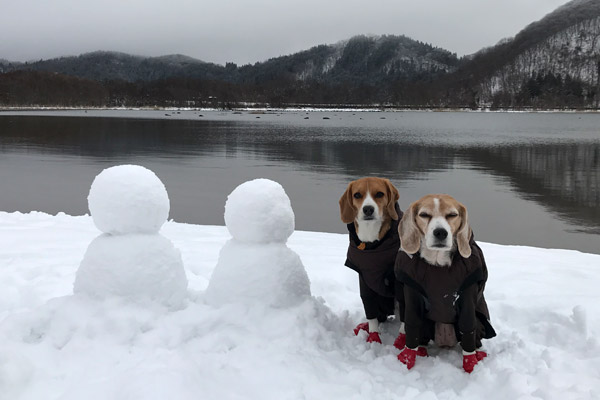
column 140, row 267
column 259, row 211
column 128, row 199
column 268, row 274
column 53, row 345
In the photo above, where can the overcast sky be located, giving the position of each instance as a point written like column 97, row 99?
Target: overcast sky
column 250, row 31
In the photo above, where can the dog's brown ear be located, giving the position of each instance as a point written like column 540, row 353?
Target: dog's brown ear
column 393, row 197
column 463, row 235
column 347, row 210
column 410, row 236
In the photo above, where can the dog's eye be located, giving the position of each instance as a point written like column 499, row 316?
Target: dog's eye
column 424, row 215
column 378, row 195
column 452, row 215
column 357, row 195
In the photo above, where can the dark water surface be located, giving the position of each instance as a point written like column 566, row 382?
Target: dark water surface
column 526, row 178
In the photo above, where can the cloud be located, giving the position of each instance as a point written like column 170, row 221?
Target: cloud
column 250, row 31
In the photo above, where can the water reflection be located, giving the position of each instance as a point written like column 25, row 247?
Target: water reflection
column 561, row 175
column 564, row 178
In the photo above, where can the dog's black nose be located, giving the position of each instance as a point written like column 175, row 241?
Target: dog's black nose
column 440, row 233
column 368, row 210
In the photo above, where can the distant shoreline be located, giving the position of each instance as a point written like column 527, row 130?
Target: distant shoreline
column 332, row 108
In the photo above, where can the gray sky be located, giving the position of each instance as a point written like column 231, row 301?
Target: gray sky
column 250, row 31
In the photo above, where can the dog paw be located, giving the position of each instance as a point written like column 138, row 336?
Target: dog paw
column 422, row 351
column 409, row 356
column 373, row 337
column 470, row 360
column 400, row 341
column 361, row 327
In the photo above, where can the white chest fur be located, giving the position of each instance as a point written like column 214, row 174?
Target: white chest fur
column 368, row 231
column 442, row 258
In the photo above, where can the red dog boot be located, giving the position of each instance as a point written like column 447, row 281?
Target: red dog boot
column 469, row 362
column 408, row 357
column 422, row 351
column 400, row 341
column 364, row 326
column 373, row 337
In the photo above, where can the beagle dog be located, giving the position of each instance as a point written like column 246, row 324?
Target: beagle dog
column 369, row 207
column 443, row 273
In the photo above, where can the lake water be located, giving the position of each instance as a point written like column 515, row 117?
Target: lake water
column 526, row 178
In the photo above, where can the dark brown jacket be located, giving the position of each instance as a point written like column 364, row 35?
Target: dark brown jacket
column 451, row 295
column 375, row 267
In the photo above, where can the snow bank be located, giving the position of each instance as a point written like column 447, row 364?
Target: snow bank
column 128, row 199
column 53, row 345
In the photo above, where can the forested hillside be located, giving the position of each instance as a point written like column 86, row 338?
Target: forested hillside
column 552, row 63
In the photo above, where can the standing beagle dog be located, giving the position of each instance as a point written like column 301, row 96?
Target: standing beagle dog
column 443, row 273
column 369, row 207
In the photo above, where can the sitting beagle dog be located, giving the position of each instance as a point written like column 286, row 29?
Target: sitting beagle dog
column 442, row 275
column 369, row 207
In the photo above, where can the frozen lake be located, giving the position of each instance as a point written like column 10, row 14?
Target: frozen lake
column 526, row 178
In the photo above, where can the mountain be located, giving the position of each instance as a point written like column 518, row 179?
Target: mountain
column 361, row 59
column 107, row 65
column 551, row 63
column 558, row 56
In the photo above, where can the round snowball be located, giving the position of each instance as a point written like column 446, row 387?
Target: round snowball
column 128, row 199
column 138, row 267
column 259, row 211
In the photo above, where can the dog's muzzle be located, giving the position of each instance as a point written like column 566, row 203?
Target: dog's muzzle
column 368, row 213
column 440, row 238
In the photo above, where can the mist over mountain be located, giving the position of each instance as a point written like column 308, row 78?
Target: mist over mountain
column 551, row 63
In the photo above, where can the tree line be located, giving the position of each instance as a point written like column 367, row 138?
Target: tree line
column 47, row 89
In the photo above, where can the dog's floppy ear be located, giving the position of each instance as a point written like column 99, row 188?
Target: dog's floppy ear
column 347, row 210
column 463, row 235
column 410, row 236
column 393, row 197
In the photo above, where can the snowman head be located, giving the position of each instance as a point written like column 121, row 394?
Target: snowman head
column 128, row 199
column 259, row 211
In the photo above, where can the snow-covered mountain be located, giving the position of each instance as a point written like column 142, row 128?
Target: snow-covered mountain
column 551, row 63
column 556, row 57
column 573, row 52
column 364, row 59
column 361, row 59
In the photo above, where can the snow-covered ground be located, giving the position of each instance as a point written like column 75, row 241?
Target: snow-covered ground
column 55, row 345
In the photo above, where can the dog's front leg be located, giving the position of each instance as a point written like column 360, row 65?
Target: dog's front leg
column 414, row 319
column 467, row 321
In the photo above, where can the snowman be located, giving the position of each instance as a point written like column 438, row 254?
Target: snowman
column 131, row 260
column 256, row 266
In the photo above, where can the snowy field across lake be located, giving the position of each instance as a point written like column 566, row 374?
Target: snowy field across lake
column 57, row 345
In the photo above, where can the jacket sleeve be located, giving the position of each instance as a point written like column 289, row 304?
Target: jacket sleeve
column 414, row 317
column 467, row 320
